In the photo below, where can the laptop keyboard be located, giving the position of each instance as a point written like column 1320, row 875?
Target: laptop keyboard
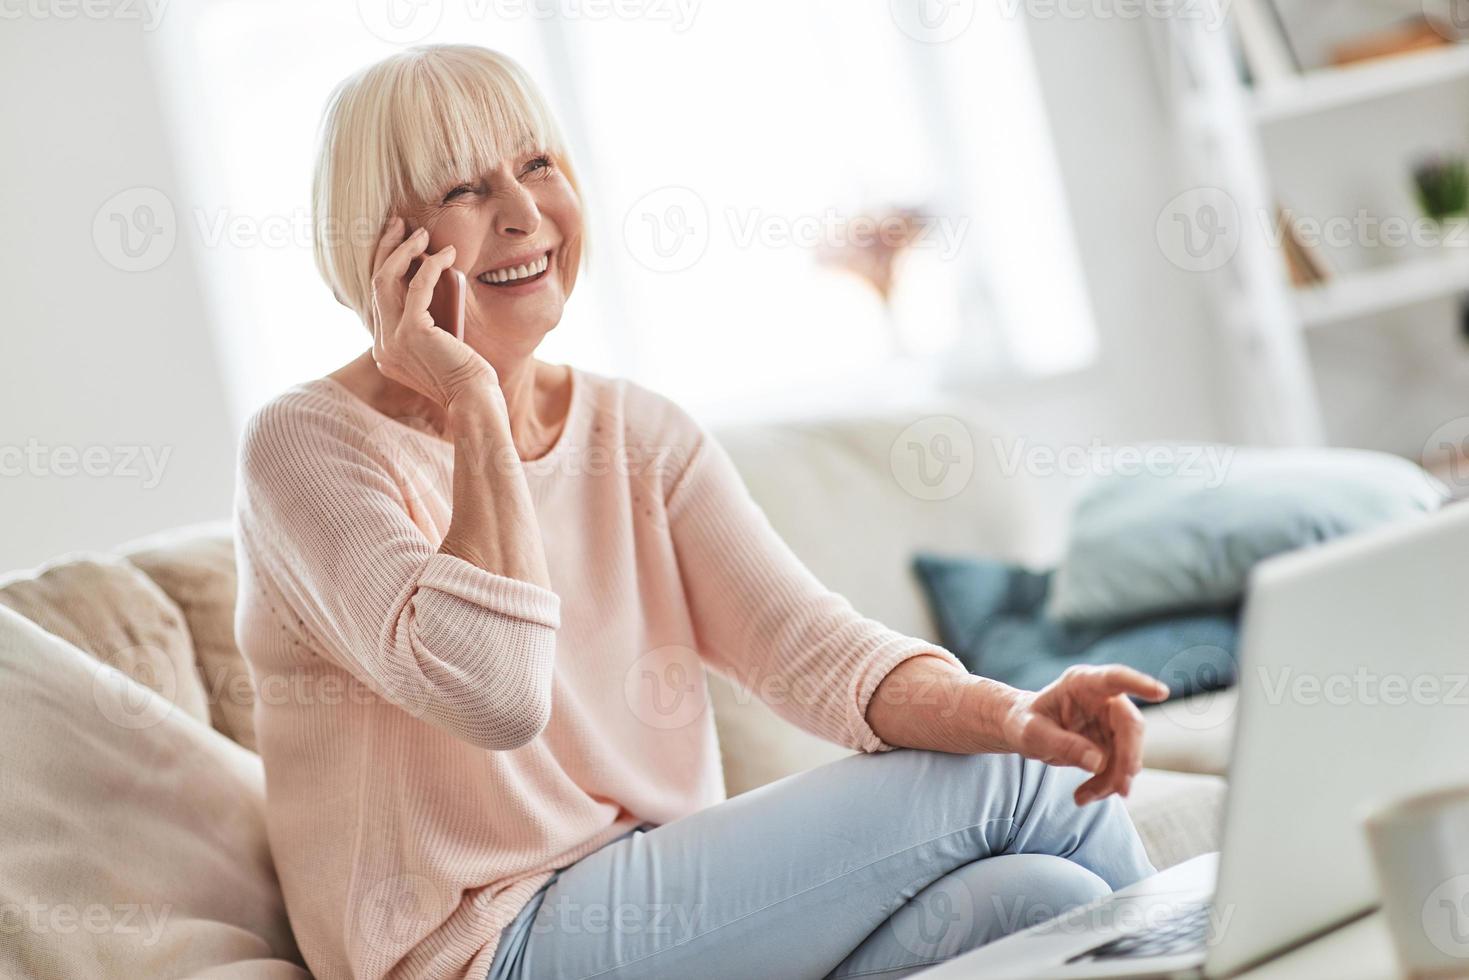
column 1184, row 931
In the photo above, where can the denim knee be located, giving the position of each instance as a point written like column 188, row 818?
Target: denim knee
column 1036, row 888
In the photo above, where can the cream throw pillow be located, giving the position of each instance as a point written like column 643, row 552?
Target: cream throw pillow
column 113, row 611
column 196, row 566
column 134, row 841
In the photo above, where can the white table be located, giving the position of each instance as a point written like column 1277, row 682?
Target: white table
column 1359, row 950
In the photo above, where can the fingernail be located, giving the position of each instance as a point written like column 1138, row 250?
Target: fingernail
column 1091, row 760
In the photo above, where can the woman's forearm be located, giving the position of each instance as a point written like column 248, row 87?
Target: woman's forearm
column 927, row 703
column 494, row 524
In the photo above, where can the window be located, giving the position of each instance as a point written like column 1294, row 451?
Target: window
column 733, row 154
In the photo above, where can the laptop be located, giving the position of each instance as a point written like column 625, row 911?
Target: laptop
column 1353, row 691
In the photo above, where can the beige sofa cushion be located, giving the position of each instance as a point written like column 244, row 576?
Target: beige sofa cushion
column 195, row 565
column 1177, row 814
column 756, row 745
column 108, row 608
column 135, row 842
column 1192, row 734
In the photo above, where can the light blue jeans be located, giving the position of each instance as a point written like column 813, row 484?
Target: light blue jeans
column 875, row 866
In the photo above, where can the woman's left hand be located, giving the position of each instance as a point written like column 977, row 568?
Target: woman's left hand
column 1083, row 718
column 1086, row 710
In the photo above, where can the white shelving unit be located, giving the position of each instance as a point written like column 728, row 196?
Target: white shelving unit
column 1264, row 351
column 1223, row 126
column 1382, row 290
column 1331, row 88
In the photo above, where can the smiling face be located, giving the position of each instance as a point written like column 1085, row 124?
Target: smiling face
column 456, row 139
column 516, row 231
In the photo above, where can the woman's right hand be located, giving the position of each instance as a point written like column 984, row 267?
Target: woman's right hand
column 407, row 345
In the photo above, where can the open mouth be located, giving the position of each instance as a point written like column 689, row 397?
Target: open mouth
column 517, row 275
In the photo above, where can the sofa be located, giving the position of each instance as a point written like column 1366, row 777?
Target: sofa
column 134, row 841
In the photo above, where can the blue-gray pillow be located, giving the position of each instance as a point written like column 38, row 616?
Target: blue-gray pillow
column 991, row 616
column 1145, row 544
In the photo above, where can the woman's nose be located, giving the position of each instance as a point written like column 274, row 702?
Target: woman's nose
column 518, row 215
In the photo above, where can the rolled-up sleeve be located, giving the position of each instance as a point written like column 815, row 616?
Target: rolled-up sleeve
column 762, row 618
column 324, row 522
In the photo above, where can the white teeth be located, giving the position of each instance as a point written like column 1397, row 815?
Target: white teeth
column 518, row 272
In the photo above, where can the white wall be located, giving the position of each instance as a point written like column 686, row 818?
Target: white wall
column 1154, row 378
column 94, row 358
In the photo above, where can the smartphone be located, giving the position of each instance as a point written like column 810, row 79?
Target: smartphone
column 447, row 304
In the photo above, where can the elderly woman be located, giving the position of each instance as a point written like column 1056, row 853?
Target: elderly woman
column 477, row 595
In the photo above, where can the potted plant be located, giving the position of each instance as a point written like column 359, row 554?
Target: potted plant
column 1442, row 185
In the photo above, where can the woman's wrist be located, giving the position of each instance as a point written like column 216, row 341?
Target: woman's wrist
column 494, row 521
column 926, row 702
column 476, row 407
column 989, row 713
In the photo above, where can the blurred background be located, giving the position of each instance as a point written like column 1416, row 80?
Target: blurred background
column 1105, row 220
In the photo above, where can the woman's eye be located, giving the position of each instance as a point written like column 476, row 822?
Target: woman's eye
column 457, row 192
column 535, row 165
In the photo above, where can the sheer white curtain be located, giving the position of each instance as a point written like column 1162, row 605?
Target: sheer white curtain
column 726, row 148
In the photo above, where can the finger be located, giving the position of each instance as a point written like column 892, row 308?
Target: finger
column 1124, row 728
column 1127, row 740
column 387, row 288
column 1105, row 781
column 1090, row 791
column 393, row 234
column 390, row 273
column 1117, row 679
column 393, row 231
column 1050, row 743
column 1114, row 777
column 421, row 288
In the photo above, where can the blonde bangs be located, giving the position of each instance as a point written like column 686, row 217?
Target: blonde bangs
column 402, row 133
column 457, row 116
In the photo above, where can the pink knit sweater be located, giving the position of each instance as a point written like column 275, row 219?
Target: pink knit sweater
column 437, row 738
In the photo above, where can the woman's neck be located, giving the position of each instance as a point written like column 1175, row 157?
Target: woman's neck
column 536, row 399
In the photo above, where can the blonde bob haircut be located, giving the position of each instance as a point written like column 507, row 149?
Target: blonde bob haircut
column 401, row 133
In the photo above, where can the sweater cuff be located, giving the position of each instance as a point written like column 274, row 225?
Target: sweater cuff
column 508, row 596
column 874, row 671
